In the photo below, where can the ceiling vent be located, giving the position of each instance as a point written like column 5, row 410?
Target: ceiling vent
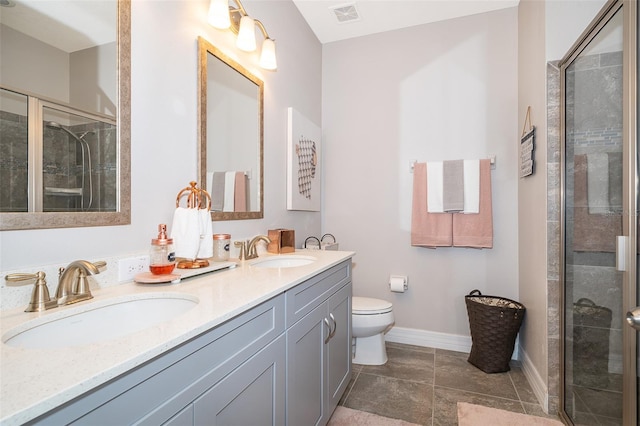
column 346, row 13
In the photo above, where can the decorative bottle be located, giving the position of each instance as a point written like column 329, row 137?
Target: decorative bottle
column 162, row 257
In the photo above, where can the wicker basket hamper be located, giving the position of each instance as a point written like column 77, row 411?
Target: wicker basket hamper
column 494, row 323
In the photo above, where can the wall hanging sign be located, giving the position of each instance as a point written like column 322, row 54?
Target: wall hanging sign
column 303, row 163
column 527, row 147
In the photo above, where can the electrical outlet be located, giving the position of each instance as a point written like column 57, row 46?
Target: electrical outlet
column 129, row 267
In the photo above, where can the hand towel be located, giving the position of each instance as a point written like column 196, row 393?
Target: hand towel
column 471, row 186
column 240, row 196
column 205, row 237
column 427, row 229
column 615, row 182
column 591, row 232
column 453, row 186
column 185, row 232
column 434, row 187
column 217, row 191
column 476, row 230
column 229, row 191
column 598, row 183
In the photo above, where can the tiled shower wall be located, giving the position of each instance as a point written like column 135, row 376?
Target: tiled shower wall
column 554, row 287
column 62, row 167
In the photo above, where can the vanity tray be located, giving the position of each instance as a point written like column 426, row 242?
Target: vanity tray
column 149, row 278
column 179, row 274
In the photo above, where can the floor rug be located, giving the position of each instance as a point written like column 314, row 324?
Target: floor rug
column 344, row 416
column 477, row 415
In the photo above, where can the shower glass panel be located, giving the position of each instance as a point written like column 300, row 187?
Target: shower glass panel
column 79, row 162
column 593, row 193
column 14, row 152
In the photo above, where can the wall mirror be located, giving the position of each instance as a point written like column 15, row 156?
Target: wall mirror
column 231, row 135
column 64, row 114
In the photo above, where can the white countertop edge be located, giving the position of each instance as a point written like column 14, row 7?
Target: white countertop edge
column 18, row 412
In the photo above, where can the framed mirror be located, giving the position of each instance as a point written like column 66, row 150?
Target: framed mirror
column 65, row 114
column 230, row 119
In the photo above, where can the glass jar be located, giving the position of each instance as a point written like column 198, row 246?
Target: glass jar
column 221, row 243
column 162, row 257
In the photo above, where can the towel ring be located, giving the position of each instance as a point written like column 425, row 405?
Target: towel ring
column 196, row 198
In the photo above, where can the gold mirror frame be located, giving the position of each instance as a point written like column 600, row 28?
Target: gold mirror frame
column 46, row 220
column 205, row 48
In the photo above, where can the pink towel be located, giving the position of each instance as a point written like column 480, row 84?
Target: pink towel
column 427, row 229
column 476, row 230
column 240, row 195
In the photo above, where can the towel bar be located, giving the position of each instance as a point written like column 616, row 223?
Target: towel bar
column 490, row 157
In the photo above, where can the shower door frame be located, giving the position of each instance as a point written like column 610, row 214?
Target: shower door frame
column 630, row 195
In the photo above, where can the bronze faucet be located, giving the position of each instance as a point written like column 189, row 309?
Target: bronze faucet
column 73, row 285
column 252, row 253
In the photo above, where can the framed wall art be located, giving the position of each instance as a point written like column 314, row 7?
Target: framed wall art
column 527, row 147
column 304, row 175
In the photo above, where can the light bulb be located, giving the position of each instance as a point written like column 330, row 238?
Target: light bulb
column 219, row 14
column 246, row 35
column 268, row 55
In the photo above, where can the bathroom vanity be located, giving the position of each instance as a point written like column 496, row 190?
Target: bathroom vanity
column 263, row 345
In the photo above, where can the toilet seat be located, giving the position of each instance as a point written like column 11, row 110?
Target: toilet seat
column 370, row 306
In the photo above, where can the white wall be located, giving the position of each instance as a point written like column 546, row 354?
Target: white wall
column 532, row 190
column 565, row 21
column 164, row 132
column 440, row 91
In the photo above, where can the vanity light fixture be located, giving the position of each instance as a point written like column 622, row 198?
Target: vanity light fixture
column 223, row 16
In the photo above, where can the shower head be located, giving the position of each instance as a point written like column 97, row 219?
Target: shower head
column 53, row 125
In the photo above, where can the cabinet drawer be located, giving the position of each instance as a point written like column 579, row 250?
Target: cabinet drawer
column 303, row 298
column 157, row 390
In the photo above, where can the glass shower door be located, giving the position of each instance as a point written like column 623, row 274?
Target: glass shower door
column 593, row 292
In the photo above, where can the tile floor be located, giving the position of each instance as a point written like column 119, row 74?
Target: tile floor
column 422, row 385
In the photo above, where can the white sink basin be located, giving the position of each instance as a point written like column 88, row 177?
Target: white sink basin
column 99, row 321
column 284, row 261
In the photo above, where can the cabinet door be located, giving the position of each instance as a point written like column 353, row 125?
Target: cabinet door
column 252, row 394
column 305, row 360
column 338, row 358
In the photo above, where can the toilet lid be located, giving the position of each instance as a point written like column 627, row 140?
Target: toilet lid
column 370, row 306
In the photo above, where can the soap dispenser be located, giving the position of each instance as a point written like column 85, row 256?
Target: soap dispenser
column 162, row 257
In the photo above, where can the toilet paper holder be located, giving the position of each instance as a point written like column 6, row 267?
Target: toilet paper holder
column 398, row 283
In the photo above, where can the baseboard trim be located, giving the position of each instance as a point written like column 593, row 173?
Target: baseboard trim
column 538, row 386
column 431, row 339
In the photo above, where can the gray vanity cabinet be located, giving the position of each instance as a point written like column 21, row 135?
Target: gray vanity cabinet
column 286, row 361
column 176, row 386
column 318, row 346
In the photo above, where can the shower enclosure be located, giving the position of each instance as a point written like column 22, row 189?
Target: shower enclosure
column 599, row 118
column 55, row 158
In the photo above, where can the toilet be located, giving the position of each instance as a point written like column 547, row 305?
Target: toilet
column 371, row 318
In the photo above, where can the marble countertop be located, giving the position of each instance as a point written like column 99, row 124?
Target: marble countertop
column 34, row 381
